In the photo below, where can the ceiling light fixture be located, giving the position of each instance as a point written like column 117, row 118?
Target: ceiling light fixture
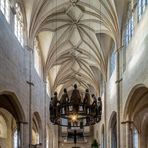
column 75, row 111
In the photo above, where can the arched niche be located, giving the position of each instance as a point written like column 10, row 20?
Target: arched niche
column 36, row 129
column 102, row 137
column 11, row 108
column 136, row 114
column 112, row 130
column 10, row 102
column 12, row 114
column 35, row 136
column 7, row 126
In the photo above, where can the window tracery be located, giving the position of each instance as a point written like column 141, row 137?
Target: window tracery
column 18, row 24
column 129, row 25
column 137, row 11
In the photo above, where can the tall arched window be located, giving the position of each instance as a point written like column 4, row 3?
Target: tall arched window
column 37, row 57
column 114, row 132
column 102, row 138
column 15, row 139
column 141, row 8
column 18, row 24
column 5, row 8
column 135, row 138
column 36, row 129
column 129, row 31
column 35, row 137
column 112, row 60
column 48, row 87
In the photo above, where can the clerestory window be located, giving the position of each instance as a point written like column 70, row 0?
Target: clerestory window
column 37, row 57
column 112, row 60
column 5, row 8
column 141, row 5
column 129, row 29
column 18, row 24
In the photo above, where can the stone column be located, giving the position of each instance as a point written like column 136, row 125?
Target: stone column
column 118, row 91
column 45, row 114
column 30, row 84
column 105, row 117
column 20, row 133
column 118, row 96
column 127, row 135
column 127, row 139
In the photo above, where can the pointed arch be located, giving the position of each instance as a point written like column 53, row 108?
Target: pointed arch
column 112, row 130
column 131, row 98
column 10, row 102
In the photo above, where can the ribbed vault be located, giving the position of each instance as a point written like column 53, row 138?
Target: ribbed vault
column 74, row 53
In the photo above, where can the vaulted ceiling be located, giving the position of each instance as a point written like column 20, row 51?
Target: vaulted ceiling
column 75, row 39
